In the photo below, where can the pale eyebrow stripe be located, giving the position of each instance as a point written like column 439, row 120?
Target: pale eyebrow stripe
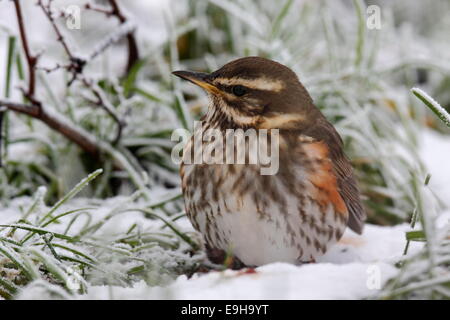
column 281, row 120
column 261, row 83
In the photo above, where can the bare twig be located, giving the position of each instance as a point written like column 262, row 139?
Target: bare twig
column 104, row 103
column 35, row 108
column 76, row 66
column 78, row 136
column 106, row 11
column 31, row 59
column 46, row 8
column 76, row 63
column 114, row 37
column 55, row 68
column 74, row 134
column 133, row 52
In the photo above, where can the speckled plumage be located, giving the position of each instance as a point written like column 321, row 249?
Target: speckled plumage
column 298, row 213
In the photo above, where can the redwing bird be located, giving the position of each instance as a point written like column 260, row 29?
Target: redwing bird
column 292, row 216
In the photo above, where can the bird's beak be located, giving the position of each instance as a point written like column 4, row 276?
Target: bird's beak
column 199, row 78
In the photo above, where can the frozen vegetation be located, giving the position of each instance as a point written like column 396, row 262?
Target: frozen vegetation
column 77, row 226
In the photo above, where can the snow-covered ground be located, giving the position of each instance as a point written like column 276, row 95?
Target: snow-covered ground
column 435, row 153
column 355, row 268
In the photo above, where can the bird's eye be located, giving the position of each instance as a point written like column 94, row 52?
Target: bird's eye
column 239, row 90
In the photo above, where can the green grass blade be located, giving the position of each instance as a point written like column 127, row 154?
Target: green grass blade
column 19, row 262
column 361, row 32
column 146, row 94
column 64, row 214
column 4, row 122
column 11, row 288
column 39, row 231
column 279, row 19
column 9, row 65
column 83, row 183
column 433, row 105
column 182, row 235
column 38, row 198
column 415, row 236
column 52, row 265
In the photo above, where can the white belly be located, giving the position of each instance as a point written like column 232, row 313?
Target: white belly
column 261, row 233
column 253, row 240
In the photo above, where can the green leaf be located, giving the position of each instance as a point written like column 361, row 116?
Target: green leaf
column 72, row 193
column 281, row 15
column 130, row 80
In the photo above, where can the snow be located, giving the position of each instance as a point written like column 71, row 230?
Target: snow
column 343, row 273
column 273, row 281
column 435, row 152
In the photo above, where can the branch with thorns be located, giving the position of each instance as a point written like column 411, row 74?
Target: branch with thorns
column 76, row 65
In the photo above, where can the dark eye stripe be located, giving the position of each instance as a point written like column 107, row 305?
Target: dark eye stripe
column 239, row 90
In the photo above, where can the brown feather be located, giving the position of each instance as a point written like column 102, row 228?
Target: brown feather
column 322, row 130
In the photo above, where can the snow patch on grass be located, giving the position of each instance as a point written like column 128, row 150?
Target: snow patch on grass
column 343, row 273
column 435, row 152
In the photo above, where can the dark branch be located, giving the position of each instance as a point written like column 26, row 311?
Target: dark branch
column 74, row 134
column 76, row 63
column 103, row 102
column 31, row 59
column 75, row 67
column 106, row 11
column 133, row 51
column 123, row 31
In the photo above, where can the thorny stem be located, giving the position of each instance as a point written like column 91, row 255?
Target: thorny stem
column 77, row 136
column 36, row 110
column 76, row 66
column 48, row 12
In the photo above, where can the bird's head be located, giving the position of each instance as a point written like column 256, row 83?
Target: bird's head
column 256, row 92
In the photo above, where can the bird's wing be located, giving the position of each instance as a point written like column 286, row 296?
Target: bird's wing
column 343, row 171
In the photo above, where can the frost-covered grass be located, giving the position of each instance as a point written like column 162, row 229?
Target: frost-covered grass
column 127, row 227
column 433, row 105
column 67, row 248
